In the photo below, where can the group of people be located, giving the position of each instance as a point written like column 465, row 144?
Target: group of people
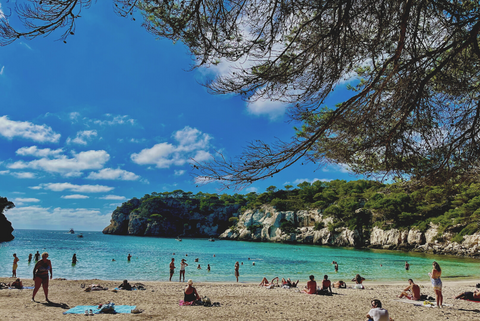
column 183, row 264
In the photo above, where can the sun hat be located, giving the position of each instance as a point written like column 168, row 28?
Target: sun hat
column 190, row 282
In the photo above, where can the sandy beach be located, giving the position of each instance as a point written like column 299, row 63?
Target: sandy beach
column 239, row 301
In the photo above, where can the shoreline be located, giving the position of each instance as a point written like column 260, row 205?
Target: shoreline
column 238, row 301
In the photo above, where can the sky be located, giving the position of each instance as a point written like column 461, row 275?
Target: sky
column 116, row 113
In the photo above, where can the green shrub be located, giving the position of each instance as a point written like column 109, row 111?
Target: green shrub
column 319, row 226
column 287, row 226
column 253, row 228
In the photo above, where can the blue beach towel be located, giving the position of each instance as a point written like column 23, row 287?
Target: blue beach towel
column 24, row 288
column 80, row 309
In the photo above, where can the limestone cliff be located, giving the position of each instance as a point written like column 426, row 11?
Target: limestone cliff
column 169, row 217
column 265, row 225
column 6, row 229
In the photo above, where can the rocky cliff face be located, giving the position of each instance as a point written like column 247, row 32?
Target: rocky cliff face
column 172, row 217
column 264, row 225
column 6, row 229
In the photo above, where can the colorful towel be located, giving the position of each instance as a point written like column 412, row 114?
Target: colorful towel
column 80, row 309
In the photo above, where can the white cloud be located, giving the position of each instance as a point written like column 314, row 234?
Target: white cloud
column 69, row 167
column 115, row 120
column 113, row 174
column 36, row 152
column 38, row 217
column 273, row 109
column 1, row 12
column 179, row 172
column 60, row 187
column 82, row 137
column 4, row 172
column 336, row 168
column 27, row 130
column 251, row 190
column 3, row 67
column 113, row 197
column 74, row 197
column 191, row 142
column 26, row 200
column 23, row 174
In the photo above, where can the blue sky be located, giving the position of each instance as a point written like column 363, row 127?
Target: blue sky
column 113, row 114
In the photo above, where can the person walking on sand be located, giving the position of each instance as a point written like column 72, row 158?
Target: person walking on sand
column 40, row 275
column 183, row 264
column 15, row 265
column 437, row 283
column 237, row 273
column 172, row 268
column 377, row 313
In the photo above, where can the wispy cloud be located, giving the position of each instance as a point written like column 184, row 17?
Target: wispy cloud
column 336, row 168
column 115, row 120
column 24, row 174
column 20, row 201
column 113, row 197
column 60, row 187
column 3, row 67
column 36, row 152
column 82, row 137
column 113, row 174
column 69, row 167
column 74, row 197
column 179, row 172
column 190, row 142
column 27, row 130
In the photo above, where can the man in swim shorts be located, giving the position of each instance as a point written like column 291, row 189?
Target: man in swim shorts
column 411, row 292
column 172, row 268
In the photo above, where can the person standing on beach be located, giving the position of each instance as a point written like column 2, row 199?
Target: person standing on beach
column 377, row 313
column 183, row 264
column 437, row 283
column 172, row 268
column 237, row 273
column 37, row 257
column 15, row 265
column 30, row 258
column 40, row 275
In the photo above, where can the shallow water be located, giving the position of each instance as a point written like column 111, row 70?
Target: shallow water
column 151, row 257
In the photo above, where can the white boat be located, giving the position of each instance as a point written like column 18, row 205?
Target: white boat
column 211, row 239
column 178, row 239
column 71, row 231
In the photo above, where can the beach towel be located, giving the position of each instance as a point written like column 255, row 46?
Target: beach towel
column 80, row 309
column 24, row 288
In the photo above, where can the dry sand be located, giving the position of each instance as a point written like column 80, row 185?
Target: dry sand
column 239, row 301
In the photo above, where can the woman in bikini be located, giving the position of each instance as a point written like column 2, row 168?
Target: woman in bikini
column 437, row 282
column 40, row 275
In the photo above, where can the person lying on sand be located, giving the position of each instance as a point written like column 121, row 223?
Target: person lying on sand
column 411, row 292
column 340, row 285
column 473, row 296
column 311, row 287
column 95, row 287
column 289, row 283
column 266, row 283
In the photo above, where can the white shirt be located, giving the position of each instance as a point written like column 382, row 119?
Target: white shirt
column 182, row 266
column 379, row 314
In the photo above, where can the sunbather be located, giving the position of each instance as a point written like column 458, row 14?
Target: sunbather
column 190, row 293
column 266, row 283
column 125, row 285
column 17, row 284
column 289, row 283
column 326, row 287
column 411, row 292
column 311, row 287
column 358, row 282
column 340, row 285
column 473, row 296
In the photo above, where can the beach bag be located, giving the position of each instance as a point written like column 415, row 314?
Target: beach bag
column 206, row 302
column 477, row 285
column 108, row 308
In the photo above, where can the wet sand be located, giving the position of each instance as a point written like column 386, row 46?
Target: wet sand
column 239, row 301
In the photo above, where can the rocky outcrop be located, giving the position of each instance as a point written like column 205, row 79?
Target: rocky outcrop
column 168, row 217
column 6, row 229
column 265, row 225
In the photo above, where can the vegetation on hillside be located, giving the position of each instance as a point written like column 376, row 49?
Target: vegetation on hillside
column 360, row 205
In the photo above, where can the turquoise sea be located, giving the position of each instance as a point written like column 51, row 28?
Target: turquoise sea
column 151, row 256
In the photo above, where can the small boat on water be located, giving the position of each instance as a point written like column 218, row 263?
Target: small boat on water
column 71, row 231
column 211, row 239
column 80, row 235
column 178, row 239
